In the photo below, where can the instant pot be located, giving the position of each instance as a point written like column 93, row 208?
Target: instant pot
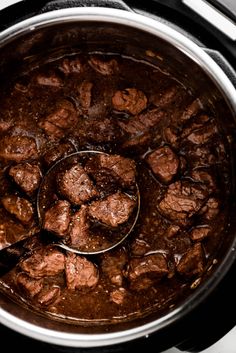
column 200, row 45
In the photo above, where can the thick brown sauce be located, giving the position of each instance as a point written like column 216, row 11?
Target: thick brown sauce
column 27, row 102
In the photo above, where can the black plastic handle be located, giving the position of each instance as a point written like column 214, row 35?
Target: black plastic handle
column 223, row 63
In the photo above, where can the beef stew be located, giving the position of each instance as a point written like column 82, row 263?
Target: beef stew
column 153, row 130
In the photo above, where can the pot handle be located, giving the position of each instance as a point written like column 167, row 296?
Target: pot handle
column 223, row 63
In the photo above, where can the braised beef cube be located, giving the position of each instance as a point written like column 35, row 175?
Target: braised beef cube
column 98, row 130
column 18, row 148
column 139, row 247
column 27, row 176
column 211, row 209
column 85, row 94
column 164, row 163
column 123, row 168
column 79, row 230
column 205, row 176
column 170, row 134
column 182, row 200
column 203, row 135
column 49, row 80
column 131, row 100
column 61, row 121
column 106, row 182
column 172, row 230
column 191, row 110
column 49, row 296
column 57, row 152
column 113, row 210
column 71, row 66
column 118, row 295
column 80, row 272
column 201, row 156
column 12, row 231
column 5, row 125
column 113, row 265
column 44, row 262
column 195, row 123
column 104, row 67
column 145, row 271
column 201, row 232
column 76, row 185
column 138, row 127
column 19, row 207
column 28, row 285
column 192, row 262
column 57, row 218
column 165, row 98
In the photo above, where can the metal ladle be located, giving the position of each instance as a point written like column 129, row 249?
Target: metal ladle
column 108, row 237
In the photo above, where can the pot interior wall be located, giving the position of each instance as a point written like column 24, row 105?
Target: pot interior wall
column 32, row 48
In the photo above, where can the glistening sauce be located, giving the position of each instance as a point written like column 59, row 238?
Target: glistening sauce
column 172, row 144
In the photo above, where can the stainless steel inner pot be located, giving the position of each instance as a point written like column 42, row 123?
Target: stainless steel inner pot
column 130, row 34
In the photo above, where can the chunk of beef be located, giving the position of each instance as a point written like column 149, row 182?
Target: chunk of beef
column 61, row 121
column 211, row 209
column 97, row 130
column 182, row 200
column 5, row 125
column 172, row 230
column 118, row 295
column 164, row 163
column 19, row 207
column 57, row 218
column 51, row 80
column 195, row 123
column 113, row 210
column 76, row 185
column 18, row 148
column 71, row 66
column 27, row 176
column 203, row 135
column 138, row 127
column 79, row 230
column 113, row 265
column 201, row 232
column 80, row 272
column 85, row 94
column 49, row 295
column 44, row 262
column 205, row 176
column 57, row 152
column 131, row 100
column 191, row 110
column 170, row 134
column 104, row 67
column 201, row 156
column 192, row 262
column 12, row 231
column 144, row 271
column 165, row 98
column 30, row 286
column 121, row 167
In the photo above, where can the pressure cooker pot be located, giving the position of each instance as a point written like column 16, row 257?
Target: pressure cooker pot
column 149, row 109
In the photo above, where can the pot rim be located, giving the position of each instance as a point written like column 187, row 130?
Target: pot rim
column 216, row 74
